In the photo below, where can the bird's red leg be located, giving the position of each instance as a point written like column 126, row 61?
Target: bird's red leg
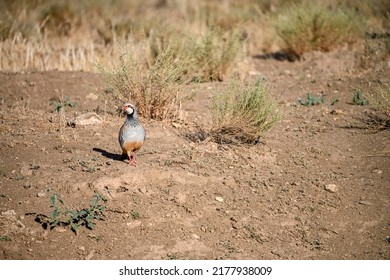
column 132, row 159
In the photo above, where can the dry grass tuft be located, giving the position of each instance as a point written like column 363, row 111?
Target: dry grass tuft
column 380, row 98
column 309, row 26
column 153, row 85
column 242, row 112
column 212, row 55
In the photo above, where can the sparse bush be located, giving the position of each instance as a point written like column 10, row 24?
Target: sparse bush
column 206, row 57
column 242, row 112
column 154, row 88
column 380, row 98
column 309, row 26
column 376, row 51
column 212, row 55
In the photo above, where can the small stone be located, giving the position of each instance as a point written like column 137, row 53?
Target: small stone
column 92, row 96
column 134, row 224
column 20, row 224
column 195, row 236
column 41, row 194
column 30, row 250
column 26, row 171
column 203, row 228
column 219, row 199
column 86, row 119
column 332, row 188
column 82, row 248
column 364, row 202
column 60, row 229
column 9, row 213
column 176, row 125
column 90, row 255
column 143, row 190
column 377, row 171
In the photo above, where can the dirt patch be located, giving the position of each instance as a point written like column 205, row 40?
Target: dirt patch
column 192, row 199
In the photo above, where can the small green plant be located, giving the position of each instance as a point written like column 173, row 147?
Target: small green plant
column 5, row 238
column 309, row 26
column 312, row 100
column 60, row 105
column 172, row 256
column 242, row 112
column 135, row 215
column 63, row 216
column 358, row 98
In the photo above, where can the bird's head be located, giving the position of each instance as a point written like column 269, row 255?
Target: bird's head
column 128, row 108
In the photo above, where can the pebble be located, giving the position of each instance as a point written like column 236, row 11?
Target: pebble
column 41, row 194
column 82, row 248
column 364, row 202
column 134, row 224
column 9, row 213
column 195, row 236
column 90, row 255
column 26, row 171
column 219, row 199
column 60, row 229
column 92, row 96
column 332, row 188
column 86, row 119
column 377, row 171
column 143, row 190
column 20, row 224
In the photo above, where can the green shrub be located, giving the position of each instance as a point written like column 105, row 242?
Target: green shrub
column 242, row 112
column 309, row 26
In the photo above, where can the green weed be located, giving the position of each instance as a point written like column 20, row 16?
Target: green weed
column 135, row 215
column 61, row 104
column 358, row 98
column 312, row 100
column 63, row 216
column 5, row 238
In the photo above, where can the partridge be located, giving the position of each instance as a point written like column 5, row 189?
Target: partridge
column 132, row 134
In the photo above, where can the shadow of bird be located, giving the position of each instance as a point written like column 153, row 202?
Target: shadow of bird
column 109, row 155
